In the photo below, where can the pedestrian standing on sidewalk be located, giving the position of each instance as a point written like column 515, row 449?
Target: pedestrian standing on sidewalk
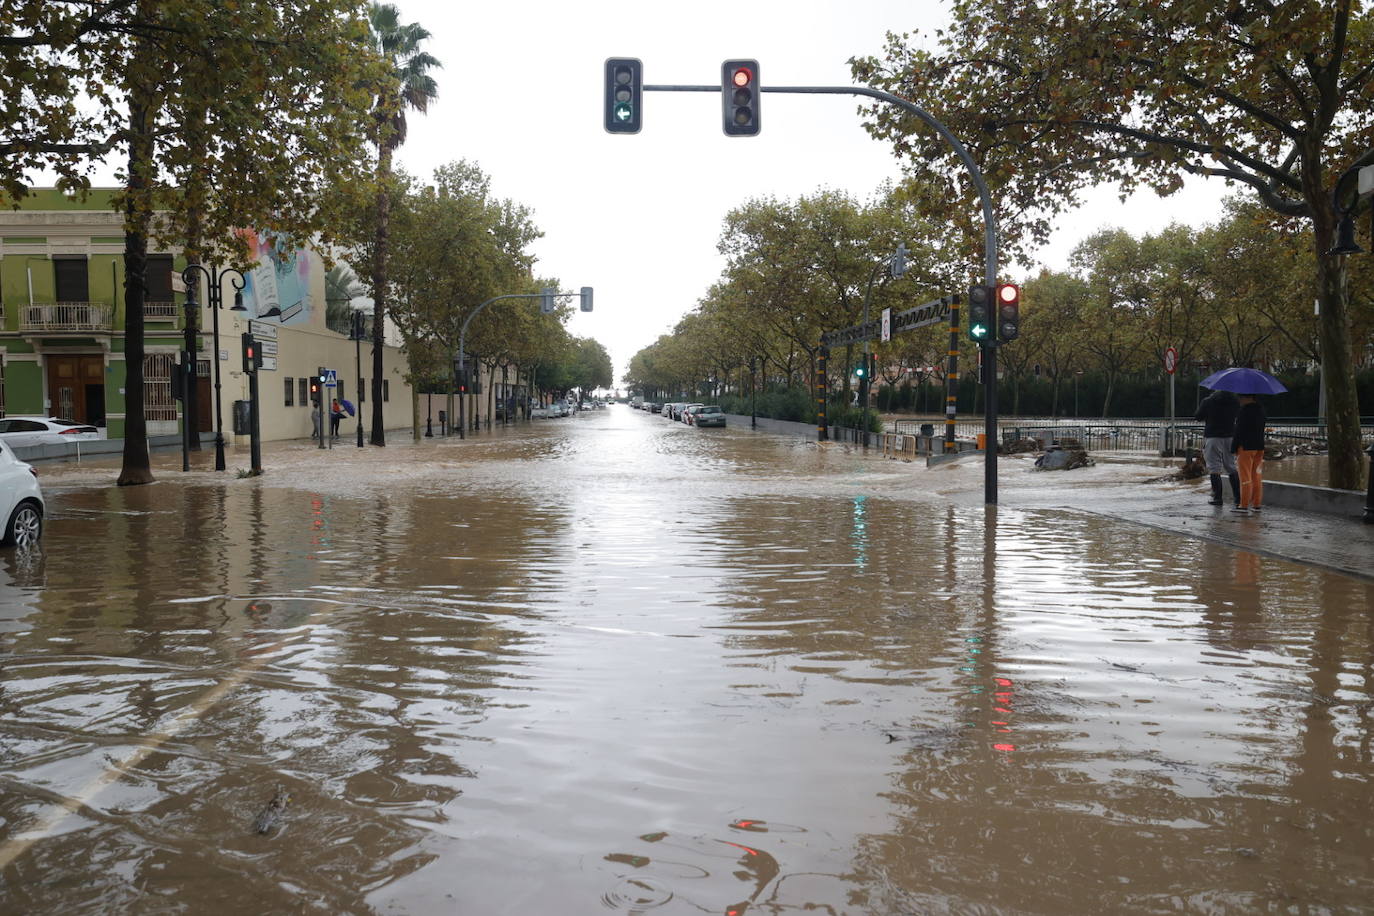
column 1248, row 444
column 1218, row 412
column 336, row 414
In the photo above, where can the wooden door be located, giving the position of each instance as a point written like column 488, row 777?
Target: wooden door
column 76, row 388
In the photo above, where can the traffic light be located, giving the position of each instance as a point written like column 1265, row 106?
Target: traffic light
column 980, row 327
column 546, row 300
column 862, row 370
column 624, row 92
column 898, row 262
column 739, row 96
column 460, row 376
column 317, row 385
column 586, row 298
column 252, row 359
column 1008, row 311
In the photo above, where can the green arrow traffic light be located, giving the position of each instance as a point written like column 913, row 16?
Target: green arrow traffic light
column 980, row 313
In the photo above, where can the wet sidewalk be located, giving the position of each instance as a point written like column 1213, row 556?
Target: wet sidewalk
column 1344, row 544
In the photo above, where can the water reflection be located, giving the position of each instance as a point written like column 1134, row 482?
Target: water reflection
column 615, row 662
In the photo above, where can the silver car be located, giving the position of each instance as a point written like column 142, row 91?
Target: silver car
column 710, row 415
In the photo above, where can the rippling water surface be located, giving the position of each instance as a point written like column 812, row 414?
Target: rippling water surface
column 612, row 663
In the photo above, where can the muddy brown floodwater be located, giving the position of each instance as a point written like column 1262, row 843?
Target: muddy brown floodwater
column 615, row 664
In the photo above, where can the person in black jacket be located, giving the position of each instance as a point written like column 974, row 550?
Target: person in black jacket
column 1218, row 413
column 1248, row 444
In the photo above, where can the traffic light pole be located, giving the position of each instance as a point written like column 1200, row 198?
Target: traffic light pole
column 989, row 232
column 586, row 295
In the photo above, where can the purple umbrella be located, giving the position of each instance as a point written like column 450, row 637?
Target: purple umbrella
column 1243, row 381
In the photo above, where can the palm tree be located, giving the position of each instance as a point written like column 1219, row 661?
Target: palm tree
column 341, row 287
column 409, row 86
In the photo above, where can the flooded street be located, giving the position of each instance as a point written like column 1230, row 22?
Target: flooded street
column 612, row 663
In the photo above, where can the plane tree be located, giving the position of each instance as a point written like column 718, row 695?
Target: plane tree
column 1053, row 96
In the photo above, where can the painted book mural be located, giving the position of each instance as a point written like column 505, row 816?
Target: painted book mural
column 280, row 280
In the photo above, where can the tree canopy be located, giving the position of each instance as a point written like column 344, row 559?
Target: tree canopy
column 1052, row 96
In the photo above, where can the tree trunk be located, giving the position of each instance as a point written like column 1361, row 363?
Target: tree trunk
column 1344, row 459
column 380, row 261
column 137, row 467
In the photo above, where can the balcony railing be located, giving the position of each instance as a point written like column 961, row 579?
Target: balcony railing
column 161, row 311
column 56, row 317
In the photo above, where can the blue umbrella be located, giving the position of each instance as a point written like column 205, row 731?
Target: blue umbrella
column 1243, row 381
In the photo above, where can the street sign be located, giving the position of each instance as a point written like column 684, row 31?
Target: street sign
column 1170, row 360
column 887, row 325
column 262, row 330
column 331, row 378
column 268, row 347
column 268, row 362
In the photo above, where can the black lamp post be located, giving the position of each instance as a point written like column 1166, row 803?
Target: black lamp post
column 215, row 300
column 753, row 396
column 357, row 331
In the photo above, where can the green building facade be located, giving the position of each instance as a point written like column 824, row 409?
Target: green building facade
column 62, row 340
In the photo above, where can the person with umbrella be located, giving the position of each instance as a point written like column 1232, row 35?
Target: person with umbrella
column 1218, row 413
column 1247, row 442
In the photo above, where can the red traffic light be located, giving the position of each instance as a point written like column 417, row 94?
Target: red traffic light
column 1008, row 293
column 743, row 76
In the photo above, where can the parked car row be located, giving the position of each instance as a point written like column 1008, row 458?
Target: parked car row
column 693, row 414
column 564, row 408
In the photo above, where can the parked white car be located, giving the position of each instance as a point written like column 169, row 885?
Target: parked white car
column 538, row 412
column 22, row 431
column 21, row 501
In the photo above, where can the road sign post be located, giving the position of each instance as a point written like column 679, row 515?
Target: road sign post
column 1170, row 366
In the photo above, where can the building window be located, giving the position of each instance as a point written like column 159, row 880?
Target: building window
column 290, row 390
column 305, row 392
column 157, row 278
column 342, row 390
column 158, row 403
column 2, row 385
column 386, row 390
column 73, row 284
column 362, row 390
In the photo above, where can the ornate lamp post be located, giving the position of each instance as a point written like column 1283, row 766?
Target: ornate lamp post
column 357, row 333
column 215, row 300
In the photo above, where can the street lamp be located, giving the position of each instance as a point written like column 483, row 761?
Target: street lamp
column 357, row 329
column 214, row 278
column 897, row 264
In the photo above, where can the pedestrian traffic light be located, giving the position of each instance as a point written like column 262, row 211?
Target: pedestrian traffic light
column 460, row 376
column 251, row 358
column 624, row 92
column 1008, row 311
column 739, row 95
column 862, row 369
column 317, row 385
column 980, row 327
column 586, row 298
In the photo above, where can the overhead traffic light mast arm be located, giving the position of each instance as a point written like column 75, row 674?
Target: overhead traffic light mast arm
column 975, row 174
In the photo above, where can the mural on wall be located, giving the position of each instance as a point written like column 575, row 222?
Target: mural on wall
column 281, row 279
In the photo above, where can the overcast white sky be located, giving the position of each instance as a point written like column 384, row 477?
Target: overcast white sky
column 637, row 216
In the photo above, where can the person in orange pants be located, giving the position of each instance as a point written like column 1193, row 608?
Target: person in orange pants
column 1248, row 444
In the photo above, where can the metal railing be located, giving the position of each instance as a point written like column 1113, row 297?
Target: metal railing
column 66, row 316
column 161, row 311
column 1146, row 434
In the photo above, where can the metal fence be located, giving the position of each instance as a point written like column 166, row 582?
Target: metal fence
column 1150, row 434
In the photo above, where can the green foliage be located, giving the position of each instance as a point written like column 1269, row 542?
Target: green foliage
column 1053, row 97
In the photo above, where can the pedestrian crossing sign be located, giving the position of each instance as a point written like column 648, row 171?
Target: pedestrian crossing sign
column 331, row 378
